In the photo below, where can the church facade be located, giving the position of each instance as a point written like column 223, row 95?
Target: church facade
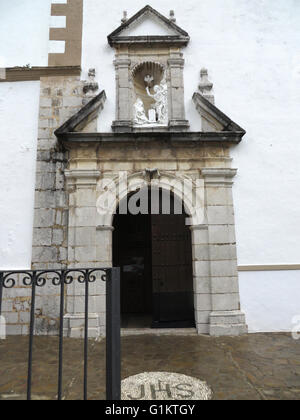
column 135, row 167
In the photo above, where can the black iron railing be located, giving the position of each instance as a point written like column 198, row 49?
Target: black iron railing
column 61, row 278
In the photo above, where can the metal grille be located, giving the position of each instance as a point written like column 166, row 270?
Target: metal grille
column 60, row 279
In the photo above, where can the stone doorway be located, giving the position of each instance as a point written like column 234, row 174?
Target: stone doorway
column 154, row 251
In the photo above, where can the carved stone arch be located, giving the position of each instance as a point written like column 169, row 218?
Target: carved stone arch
column 150, row 66
column 183, row 187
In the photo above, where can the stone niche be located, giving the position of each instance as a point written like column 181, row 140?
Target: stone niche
column 151, row 95
column 149, row 75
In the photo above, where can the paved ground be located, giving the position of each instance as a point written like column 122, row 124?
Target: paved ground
column 260, row 366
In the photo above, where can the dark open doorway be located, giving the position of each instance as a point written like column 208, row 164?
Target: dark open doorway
column 154, row 252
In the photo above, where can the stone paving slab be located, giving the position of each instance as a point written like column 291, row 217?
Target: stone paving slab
column 252, row 367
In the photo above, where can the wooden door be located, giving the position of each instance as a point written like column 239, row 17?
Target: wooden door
column 132, row 253
column 172, row 272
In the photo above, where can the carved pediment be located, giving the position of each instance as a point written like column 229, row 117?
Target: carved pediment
column 214, row 120
column 146, row 26
column 83, row 120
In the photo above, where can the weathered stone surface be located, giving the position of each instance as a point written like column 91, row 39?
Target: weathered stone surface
column 202, row 285
column 224, row 284
column 227, row 318
column 230, row 330
column 203, row 302
column 58, row 236
column 222, row 234
column 43, row 199
column 202, row 317
column 222, row 252
column 225, row 302
column 164, row 386
column 220, row 215
column 44, row 218
column 42, row 237
column 227, row 268
column 44, row 254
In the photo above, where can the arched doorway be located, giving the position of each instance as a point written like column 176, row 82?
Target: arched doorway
column 154, row 251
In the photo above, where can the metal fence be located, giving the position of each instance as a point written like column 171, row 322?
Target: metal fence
column 61, row 278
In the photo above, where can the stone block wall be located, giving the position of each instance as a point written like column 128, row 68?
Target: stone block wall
column 16, row 307
column 60, row 98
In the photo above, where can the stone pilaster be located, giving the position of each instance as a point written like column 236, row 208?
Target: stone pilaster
column 123, row 121
column 202, row 284
column 177, row 121
column 82, row 253
column 226, row 317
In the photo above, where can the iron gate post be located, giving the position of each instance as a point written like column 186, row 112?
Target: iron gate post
column 113, row 336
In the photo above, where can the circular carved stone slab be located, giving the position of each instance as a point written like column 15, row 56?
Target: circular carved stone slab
column 164, row 386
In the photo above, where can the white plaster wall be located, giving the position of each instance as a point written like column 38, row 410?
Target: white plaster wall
column 24, row 32
column 19, row 110
column 271, row 300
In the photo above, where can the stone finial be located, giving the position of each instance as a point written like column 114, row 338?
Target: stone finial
column 91, row 85
column 205, row 86
column 172, row 16
column 92, row 75
column 124, row 18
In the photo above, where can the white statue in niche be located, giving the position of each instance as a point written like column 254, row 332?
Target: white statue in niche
column 139, row 113
column 161, row 100
column 158, row 113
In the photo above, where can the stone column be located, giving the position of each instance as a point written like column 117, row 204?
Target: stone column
column 123, row 121
column 82, row 252
column 177, row 121
column 226, row 317
column 201, row 273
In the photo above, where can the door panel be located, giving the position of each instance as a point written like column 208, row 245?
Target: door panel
column 155, row 256
column 132, row 253
column 172, row 272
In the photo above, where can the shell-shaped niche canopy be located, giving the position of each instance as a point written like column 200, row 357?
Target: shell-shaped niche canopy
column 147, row 75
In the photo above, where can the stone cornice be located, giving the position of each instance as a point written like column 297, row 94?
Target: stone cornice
column 122, row 62
column 148, row 40
column 186, row 137
column 199, row 227
column 20, row 74
column 82, row 173
column 176, row 62
column 218, row 176
column 81, row 178
column 219, row 172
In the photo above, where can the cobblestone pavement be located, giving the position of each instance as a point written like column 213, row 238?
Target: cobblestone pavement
column 259, row 366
